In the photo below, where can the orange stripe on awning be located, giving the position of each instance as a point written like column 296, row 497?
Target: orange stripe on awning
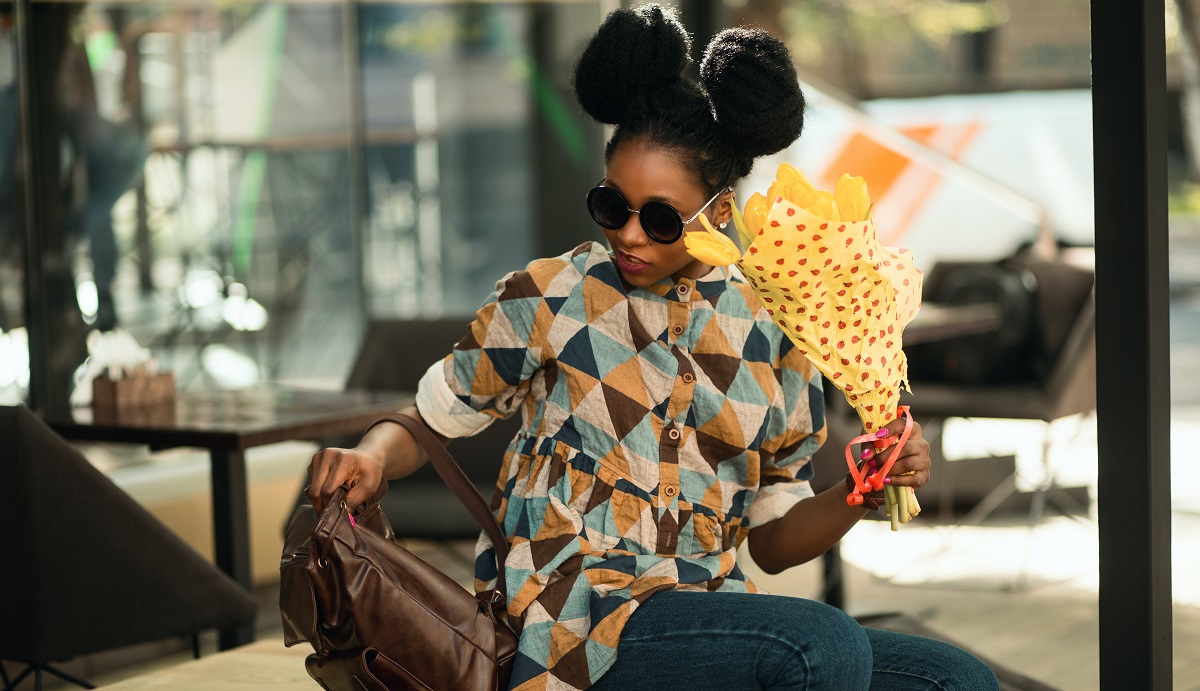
column 866, row 158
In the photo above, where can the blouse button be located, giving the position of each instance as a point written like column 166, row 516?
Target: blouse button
column 683, row 290
column 670, row 491
column 673, row 434
column 677, row 329
column 688, row 378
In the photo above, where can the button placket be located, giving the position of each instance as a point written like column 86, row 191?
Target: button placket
column 668, row 489
column 679, row 315
column 668, row 479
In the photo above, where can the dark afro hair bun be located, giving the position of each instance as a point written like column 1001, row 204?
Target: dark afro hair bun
column 633, row 53
column 754, row 90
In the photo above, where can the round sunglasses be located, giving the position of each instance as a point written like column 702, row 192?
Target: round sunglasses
column 660, row 220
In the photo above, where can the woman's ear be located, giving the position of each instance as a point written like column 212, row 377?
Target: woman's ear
column 723, row 208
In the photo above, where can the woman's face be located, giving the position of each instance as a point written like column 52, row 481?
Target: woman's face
column 641, row 174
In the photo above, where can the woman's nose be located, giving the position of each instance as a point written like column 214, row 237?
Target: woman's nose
column 631, row 234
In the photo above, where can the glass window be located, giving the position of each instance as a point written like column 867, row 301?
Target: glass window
column 242, row 187
column 447, row 156
column 14, row 351
column 461, row 100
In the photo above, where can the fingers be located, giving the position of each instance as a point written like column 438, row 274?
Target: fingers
column 361, row 488
column 318, row 469
column 334, row 468
column 896, row 427
column 912, row 465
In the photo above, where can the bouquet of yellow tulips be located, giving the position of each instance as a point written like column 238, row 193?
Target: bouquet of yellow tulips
column 815, row 259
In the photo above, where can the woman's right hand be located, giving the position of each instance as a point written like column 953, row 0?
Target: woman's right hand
column 354, row 468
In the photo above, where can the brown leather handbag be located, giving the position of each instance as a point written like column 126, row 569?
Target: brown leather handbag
column 377, row 616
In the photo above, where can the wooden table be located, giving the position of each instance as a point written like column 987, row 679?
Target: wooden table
column 263, row 665
column 227, row 422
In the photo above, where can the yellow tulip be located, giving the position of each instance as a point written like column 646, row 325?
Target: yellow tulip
column 852, row 199
column 819, row 203
column 789, row 176
column 711, row 247
column 757, row 208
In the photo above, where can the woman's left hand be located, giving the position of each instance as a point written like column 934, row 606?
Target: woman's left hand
column 914, row 456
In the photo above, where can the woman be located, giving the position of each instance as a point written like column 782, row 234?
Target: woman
column 666, row 418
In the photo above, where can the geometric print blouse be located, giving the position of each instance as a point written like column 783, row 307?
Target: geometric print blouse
column 660, row 424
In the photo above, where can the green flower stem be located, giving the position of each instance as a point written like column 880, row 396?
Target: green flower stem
column 889, row 494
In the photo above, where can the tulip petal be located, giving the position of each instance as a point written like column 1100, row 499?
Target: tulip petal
column 852, row 198
column 788, row 176
column 819, row 203
column 757, row 208
column 712, row 247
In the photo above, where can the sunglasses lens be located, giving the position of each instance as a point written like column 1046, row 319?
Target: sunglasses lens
column 607, row 208
column 661, row 222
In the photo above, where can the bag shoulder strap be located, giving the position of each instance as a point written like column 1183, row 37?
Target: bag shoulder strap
column 452, row 474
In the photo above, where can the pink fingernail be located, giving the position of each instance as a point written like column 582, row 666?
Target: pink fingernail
column 866, row 453
column 881, row 433
column 887, row 480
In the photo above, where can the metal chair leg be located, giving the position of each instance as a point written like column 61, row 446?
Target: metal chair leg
column 991, row 502
column 11, row 686
column 36, row 671
column 1051, row 492
column 69, row 678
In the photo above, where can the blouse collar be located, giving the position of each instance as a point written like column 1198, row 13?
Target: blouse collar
column 681, row 289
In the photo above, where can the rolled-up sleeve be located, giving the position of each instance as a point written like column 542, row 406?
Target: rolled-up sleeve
column 785, row 458
column 487, row 374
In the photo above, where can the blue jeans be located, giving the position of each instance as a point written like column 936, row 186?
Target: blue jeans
column 742, row 642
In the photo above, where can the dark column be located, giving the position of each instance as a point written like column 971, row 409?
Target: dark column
column 52, row 317
column 1133, row 386
column 568, row 145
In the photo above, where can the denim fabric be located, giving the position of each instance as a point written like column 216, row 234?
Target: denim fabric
column 747, row 642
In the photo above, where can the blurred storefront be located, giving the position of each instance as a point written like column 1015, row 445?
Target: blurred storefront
column 243, row 186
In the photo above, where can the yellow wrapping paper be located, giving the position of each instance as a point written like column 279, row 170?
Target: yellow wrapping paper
column 815, row 259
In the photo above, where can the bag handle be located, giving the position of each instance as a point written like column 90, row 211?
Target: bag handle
column 454, row 477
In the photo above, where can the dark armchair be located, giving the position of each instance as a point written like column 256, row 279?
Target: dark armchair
column 84, row 568
column 1049, row 375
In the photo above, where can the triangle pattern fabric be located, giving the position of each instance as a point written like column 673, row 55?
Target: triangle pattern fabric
column 650, row 416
